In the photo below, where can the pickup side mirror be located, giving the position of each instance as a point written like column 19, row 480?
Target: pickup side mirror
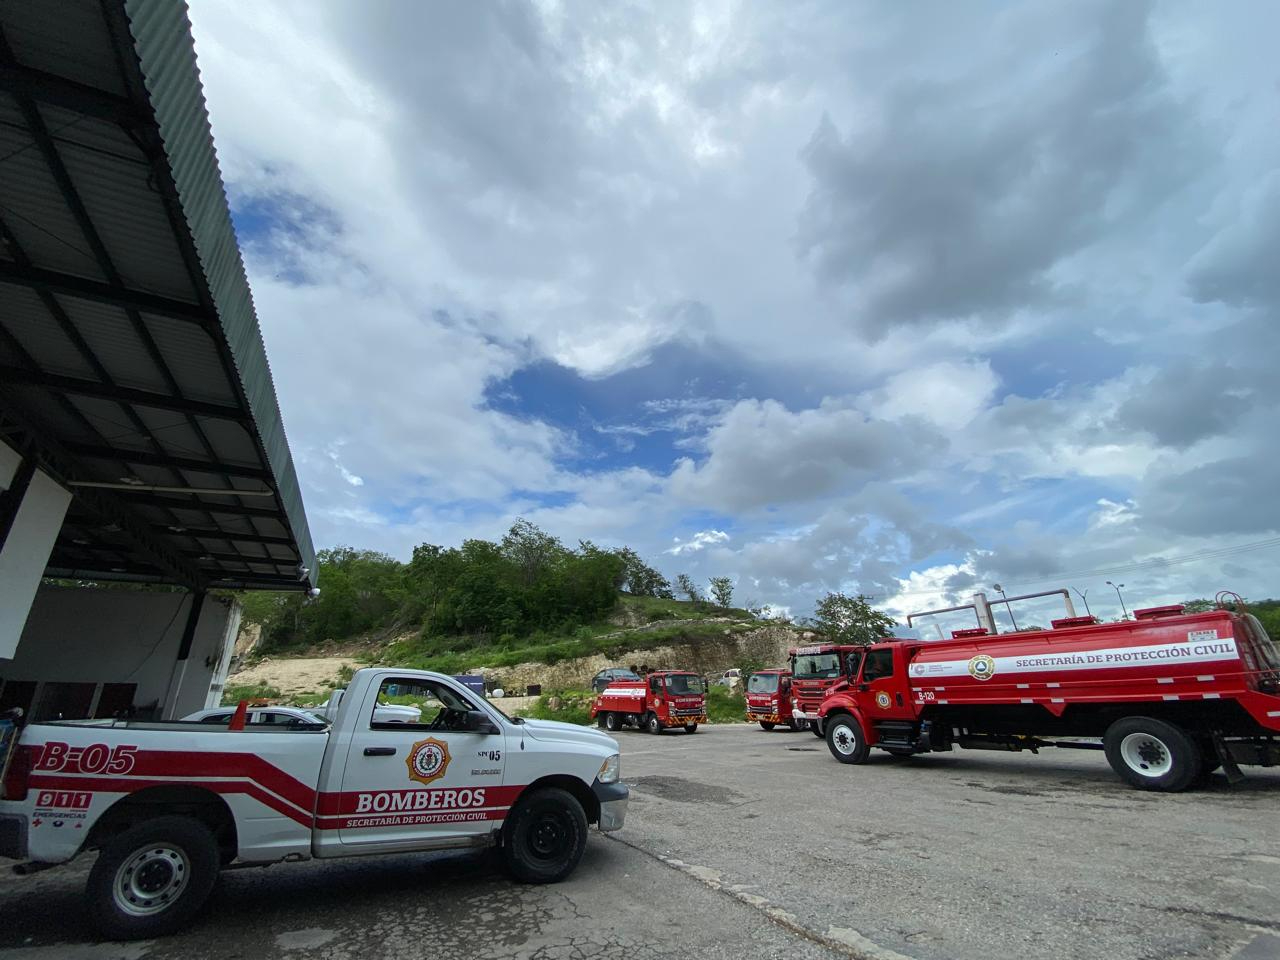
column 477, row 721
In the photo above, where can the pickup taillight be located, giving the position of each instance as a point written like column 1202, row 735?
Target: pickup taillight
column 19, row 769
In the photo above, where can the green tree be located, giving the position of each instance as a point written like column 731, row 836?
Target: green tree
column 641, row 579
column 722, row 591
column 851, row 620
column 688, row 588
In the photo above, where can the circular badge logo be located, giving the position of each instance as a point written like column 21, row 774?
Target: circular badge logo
column 428, row 760
column 982, row 667
column 882, row 700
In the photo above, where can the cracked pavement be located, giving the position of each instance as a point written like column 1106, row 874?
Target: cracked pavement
column 747, row 844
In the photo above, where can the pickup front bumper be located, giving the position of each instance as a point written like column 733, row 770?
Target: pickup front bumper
column 613, row 799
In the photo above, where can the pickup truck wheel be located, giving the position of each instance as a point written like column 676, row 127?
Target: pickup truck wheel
column 845, row 739
column 612, row 722
column 1152, row 755
column 544, row 837
column 765, row 725
column 652, row 724
column 152, row 878
column 690, row 728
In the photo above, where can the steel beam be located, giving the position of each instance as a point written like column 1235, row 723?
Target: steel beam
column 148, row 459
column 104, row 391
column 60, row 92
column 146, row 499
column 83, row 288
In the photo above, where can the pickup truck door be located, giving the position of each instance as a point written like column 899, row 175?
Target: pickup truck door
column 414, row 785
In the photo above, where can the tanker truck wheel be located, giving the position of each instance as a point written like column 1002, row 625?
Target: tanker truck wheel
column 612, row 722
column 1152, row 755
column 845, row 739
column 652, row 724
column 766, row 725
column 690, row 728
column 815, row 727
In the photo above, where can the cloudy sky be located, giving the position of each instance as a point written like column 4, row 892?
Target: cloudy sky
column 904, row 299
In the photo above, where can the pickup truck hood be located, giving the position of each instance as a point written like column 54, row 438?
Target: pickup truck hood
column 568, row 733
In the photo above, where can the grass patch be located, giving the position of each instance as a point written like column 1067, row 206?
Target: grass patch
column 260, row 691
column 446, row 655
column 725, row 706
column 567, row 706
column 654, row 609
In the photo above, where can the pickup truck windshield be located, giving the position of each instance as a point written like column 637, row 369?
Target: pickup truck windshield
column 683, row 684
column 763, row 683
column 816, row 666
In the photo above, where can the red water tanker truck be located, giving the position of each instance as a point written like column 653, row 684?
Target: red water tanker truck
column 1169, row 696
column 769, row 700
column 668, row 698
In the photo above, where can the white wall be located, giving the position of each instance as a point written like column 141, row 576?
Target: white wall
column 95, row 635
column 25, row 551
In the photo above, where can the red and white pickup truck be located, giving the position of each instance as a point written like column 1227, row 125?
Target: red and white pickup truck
column 170, row 804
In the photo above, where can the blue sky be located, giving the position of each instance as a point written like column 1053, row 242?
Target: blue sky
column 903, row 300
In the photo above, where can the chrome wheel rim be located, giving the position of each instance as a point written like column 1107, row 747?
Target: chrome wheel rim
column 151, row 880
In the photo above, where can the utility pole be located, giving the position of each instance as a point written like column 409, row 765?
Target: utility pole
column 1120, row 596
column 1008, row 606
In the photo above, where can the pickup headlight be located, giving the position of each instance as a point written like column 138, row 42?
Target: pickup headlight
column 610, row 770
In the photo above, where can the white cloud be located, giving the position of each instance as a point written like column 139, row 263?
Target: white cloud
column 1003, row 314
column 699, row 541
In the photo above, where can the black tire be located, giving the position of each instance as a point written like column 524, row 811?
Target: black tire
column 174, row 858
column 845, row 739
column 766, row 725
column 690, row 728
column 612, row 722
column 543, row 839
column 652, row 724
column 816, row 729
column 795, row 725
column 1152, row 755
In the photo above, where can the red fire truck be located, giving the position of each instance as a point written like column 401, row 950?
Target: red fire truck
column 668, row 698
column 769, row 699
column 815, row 670
column 1171, row 696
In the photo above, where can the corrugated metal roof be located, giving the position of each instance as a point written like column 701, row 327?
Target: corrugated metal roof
column 129, row 344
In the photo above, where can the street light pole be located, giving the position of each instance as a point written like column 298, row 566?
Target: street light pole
column 1120, row 596
column 1007, row 605
column 1084, row 597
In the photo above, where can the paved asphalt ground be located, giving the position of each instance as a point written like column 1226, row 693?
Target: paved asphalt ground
column 750, row 845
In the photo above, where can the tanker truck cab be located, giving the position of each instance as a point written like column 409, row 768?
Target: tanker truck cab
column 769, row 699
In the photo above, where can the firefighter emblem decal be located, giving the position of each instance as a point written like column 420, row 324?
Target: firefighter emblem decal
column 882, row 700
column 428, row 760
column 982, row 667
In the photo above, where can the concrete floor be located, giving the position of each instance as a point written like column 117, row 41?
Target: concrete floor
column 750, row 845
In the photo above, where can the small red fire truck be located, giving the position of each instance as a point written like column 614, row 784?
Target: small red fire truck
column 1171, row 696
column 668, row 698
column 815, row 670
column 769, row 699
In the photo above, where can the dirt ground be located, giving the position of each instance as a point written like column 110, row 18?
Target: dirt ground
column 293, row 675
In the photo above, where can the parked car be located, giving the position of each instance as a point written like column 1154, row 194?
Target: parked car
column 610, row 674
column 730, row 678
column 383, row 712
column 291, row 717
